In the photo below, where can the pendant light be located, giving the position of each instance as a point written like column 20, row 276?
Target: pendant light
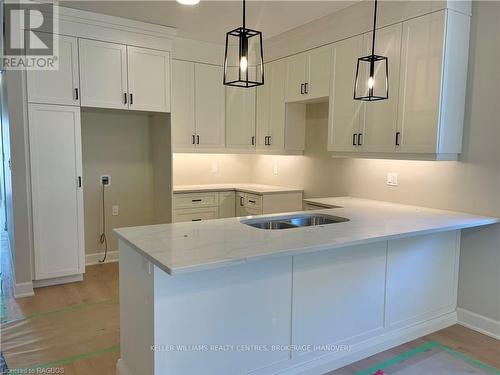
column 243, row 59
column 372, row 73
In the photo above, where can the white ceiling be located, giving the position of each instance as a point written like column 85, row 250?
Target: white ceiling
column 210, row 20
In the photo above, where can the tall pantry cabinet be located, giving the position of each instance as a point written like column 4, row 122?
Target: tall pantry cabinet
column 91, row 73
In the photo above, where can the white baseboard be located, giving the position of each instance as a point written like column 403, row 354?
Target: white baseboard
column 94, row 258
column 57, row 281
column 23, row 290
column 121, row 369
column 479, row 323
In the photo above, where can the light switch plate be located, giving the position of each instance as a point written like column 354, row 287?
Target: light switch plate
column 115, row 210
column 392, row 179
column 275, row 169
column 215, row 168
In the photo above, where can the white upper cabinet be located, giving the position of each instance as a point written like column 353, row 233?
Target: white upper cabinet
column 296, row 77
column 318, row 70
column 210, row 106
column 183, row 106
column 419, row 102
column 120, row 77
column 103, row 74
column 345, row 112
column 55, row 155
column 240, row 118
column 378, row 130
column 59, row 86
column 308, row 75
column 148, row 79
column 198, row 106
column 271, row 108
column 423, row 117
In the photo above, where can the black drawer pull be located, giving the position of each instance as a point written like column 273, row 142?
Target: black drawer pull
column 354, row 139
column 398, row 140
column 195, row 200
column 252, row 201
column 195, row 219
column 360, row 139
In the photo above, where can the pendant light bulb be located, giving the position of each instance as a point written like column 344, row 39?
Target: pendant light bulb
column 243, row 64
column 371, row 83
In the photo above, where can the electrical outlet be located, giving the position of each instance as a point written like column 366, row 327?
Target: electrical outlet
column 392, row 179
column 215, row 168
column 275, row 169
column 115, row 210
column 105, row 180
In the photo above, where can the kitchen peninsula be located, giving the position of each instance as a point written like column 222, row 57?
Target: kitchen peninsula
column 223, row 297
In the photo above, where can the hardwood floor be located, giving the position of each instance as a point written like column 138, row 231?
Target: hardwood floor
column 101, row 283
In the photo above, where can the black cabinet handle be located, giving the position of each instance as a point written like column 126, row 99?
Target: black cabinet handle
column 265, row 140
column 125, row 97
column 241, row 202
column 195, row 200
column 301, row 88
column 253, row 140
column 270, row 140
column 197, row 139
column 76, row 93
column 398, row 140
column 354, row 139
column 79, row 181
column 195, row 219
column 252, row 201
column 193, row 140
column 360, row 139
column 306, row 88
column 131, row 99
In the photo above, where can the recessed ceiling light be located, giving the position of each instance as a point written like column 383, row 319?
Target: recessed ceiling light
column 188, row 2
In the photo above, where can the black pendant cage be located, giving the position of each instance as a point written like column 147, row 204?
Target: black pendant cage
column 371, row 82
column 243, row 44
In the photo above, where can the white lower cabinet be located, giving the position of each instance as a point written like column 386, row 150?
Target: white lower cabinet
column 224, row 204
column 57, row 195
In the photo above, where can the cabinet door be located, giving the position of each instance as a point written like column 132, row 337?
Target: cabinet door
column 380, row 120
column 263, row 108
column 148, row 79
column 227, row 201
column 345, row 113
column 183, row 117
column 296, row 77
column 103, row 74
column 55, row 149
column 318, row 68
column 59, row 86
column 240, row 118
column 277, row 106
column 420, row 84
column 209, row 104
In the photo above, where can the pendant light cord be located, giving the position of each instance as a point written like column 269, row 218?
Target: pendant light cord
column 374, row 27
column 244, row 15
column 102, row 239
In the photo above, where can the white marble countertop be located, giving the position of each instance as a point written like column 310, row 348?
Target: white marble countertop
column 192, row 246
column 247, row 188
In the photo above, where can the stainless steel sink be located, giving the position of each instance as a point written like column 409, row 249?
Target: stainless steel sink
column 295, row 221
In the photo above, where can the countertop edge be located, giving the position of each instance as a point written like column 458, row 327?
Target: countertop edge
column 303, row 250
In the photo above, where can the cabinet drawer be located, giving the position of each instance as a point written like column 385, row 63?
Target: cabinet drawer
column 196, row 200
column 195, row 214
column 253, row 201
